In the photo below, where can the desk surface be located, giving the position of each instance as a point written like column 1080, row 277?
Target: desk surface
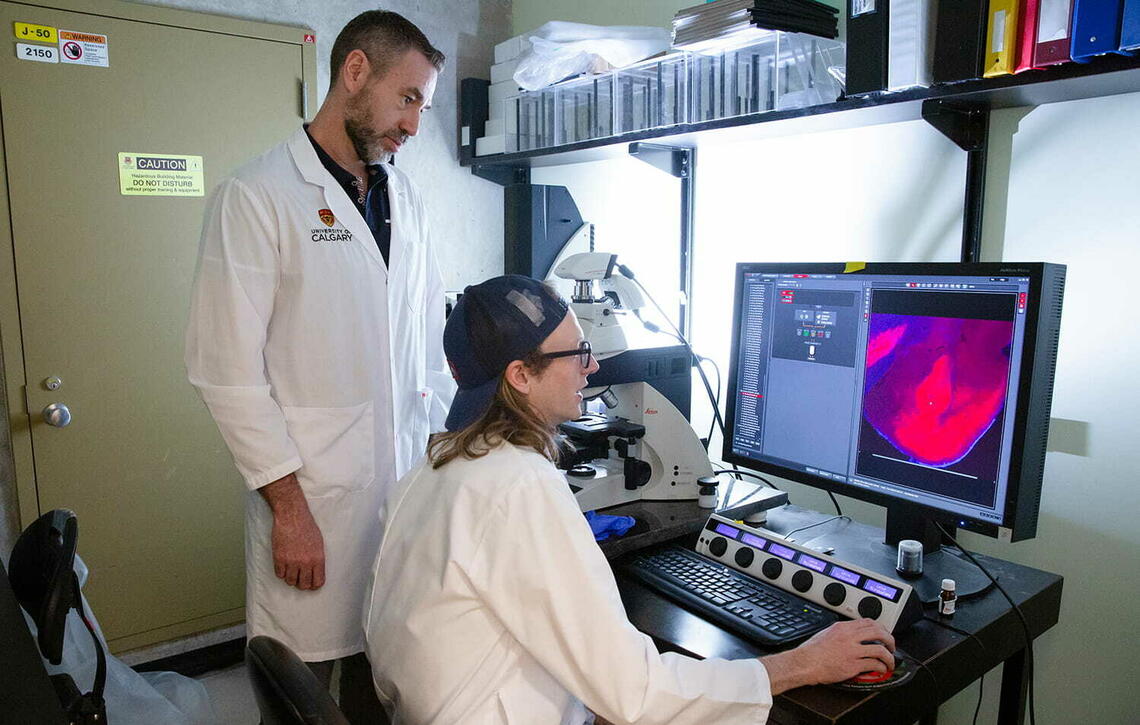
column 26, row 693
column 952, row 660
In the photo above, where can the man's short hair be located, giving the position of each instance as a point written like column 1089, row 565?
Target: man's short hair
column 384, row 36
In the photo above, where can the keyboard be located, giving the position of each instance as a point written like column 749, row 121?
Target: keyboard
column 748, row 607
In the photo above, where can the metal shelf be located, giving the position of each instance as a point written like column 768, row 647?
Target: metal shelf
column 1104, row 76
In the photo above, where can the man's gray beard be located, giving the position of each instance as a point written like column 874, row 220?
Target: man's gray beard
column 366, row 143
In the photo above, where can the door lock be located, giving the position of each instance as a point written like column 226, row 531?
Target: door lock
column 57, row 414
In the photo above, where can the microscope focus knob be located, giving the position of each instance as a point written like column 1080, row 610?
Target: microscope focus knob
column 718, row 546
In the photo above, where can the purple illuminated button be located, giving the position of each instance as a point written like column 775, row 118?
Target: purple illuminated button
column 754, row 541
column 844, row 575
column 812, row 563
column 782, row 551
column 727, row 530
column 884, row 591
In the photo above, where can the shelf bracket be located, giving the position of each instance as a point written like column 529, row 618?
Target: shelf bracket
column 678, row 162
column 969, row 128
column 673, row 160
column 501, row 174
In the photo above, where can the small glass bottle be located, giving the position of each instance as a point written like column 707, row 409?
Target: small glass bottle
column 948, row 598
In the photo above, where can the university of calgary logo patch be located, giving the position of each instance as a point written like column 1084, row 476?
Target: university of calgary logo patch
column 327, row 217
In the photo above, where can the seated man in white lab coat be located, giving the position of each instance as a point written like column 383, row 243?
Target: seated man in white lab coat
column 491, row 602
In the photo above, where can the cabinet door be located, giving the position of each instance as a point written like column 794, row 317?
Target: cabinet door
column 103, row 281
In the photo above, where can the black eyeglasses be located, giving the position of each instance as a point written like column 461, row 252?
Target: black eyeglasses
column 583, row 352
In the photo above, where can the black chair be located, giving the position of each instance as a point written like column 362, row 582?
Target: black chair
column 287, row 691
column 42, row 572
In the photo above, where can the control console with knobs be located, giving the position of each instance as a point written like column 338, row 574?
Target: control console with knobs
column 843, row 587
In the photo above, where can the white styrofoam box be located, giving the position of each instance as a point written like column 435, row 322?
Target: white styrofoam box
column 499, row 92
column 511, row 48
column 504, row 71
column 500, row 144
column 509, row 123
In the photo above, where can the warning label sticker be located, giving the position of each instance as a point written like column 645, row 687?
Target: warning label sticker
column 145, row 174
column 83, row 48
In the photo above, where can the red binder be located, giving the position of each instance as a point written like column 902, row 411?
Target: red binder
column 1027, row 36
column 1054, row 26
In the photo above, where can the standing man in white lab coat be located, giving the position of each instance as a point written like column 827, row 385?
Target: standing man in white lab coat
column 315, row 339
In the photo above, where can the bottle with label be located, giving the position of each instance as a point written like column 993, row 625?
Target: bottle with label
column 948, row 598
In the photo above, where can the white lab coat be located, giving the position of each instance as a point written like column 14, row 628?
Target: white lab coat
column 312, row 358
column 493, row 605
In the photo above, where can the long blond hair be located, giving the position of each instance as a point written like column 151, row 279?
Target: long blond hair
column 509, row 419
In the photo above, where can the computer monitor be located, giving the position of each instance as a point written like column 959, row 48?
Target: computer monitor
column 921, row 387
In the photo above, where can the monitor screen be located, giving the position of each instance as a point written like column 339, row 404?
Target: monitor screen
column 909, row 385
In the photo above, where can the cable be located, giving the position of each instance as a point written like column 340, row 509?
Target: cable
column 741, row 472
column 1016, row 610
column 985, row 650
column 838, row 511
column 716, row 403
column 681, row 338
column 817, row 523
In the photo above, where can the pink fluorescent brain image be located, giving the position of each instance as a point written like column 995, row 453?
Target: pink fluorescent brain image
column 935, row 385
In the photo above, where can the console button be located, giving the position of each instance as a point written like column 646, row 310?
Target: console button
column 744, row 557
column 870, row 607
column 801, row 580
column 718, row 546
column 834, row 594
column 772, row 567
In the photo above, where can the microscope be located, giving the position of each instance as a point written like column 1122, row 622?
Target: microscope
column 632, row 442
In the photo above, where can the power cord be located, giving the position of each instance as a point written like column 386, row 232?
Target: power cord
column 716, row 403
column 985, row 650
column 741, row 472
column 817, row 523
column 1017, row 611
column 838, row 511
column 714, row 399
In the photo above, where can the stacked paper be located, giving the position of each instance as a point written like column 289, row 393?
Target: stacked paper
column 726, row 23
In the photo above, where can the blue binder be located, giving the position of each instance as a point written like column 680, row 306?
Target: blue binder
column 1130, row 27
column 1096, row 28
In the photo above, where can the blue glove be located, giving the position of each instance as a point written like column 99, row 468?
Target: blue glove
column 605, row 526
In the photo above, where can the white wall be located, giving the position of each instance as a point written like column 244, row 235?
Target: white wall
column 1062, row 187
column 895, row 193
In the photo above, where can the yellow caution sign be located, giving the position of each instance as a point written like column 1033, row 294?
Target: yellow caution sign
column 146, row 174
column 35, row 33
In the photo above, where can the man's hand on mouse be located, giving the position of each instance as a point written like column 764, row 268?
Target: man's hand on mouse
column 841, row 651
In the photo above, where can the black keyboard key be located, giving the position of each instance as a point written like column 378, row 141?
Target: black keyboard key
column 747, row 606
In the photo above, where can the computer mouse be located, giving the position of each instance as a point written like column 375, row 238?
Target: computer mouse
column 875, row 680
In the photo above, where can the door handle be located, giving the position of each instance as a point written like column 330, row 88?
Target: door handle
column 57, row 414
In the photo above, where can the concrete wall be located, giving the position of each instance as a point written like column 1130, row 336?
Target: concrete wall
column 466, row 212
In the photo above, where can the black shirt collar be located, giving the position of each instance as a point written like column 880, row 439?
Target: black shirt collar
column 347, row 180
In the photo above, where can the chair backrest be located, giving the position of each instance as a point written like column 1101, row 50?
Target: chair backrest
column 40, row 569
column 287, row 691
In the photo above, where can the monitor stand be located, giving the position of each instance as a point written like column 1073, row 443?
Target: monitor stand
column 867, row 546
